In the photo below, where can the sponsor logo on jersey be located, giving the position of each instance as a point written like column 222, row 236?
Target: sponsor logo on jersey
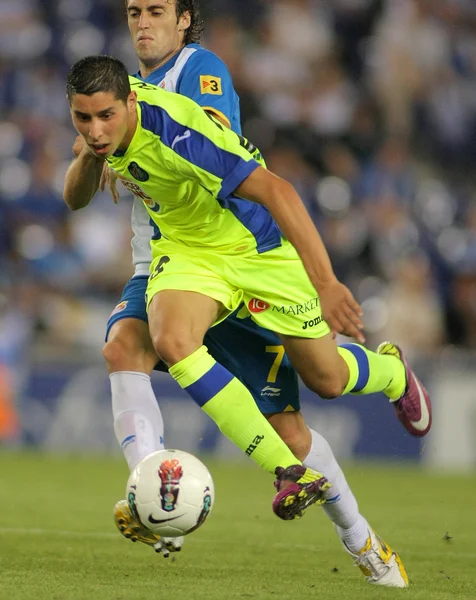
column 312, row 323
column 138, row 172
column 135, row 189
column 270, row 391
column 256, row 306
column 119, row 308
column 297, row 309
column 209, row 84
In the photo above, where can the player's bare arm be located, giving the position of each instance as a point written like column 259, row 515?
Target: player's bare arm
column 340, row 309
column 82, row 179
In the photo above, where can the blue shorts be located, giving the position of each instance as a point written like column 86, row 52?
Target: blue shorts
column 254, row 355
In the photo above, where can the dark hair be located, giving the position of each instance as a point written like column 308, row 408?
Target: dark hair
column 94, row 74
column 193, row 34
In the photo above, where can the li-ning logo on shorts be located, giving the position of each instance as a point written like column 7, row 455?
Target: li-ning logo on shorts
column 271, row 391
column 255, row 306
column 170, row 473
column 119, row 308
column 138, row 172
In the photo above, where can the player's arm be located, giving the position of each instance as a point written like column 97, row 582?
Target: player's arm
column 206, row 79
column 82, row 179
column 339, row 307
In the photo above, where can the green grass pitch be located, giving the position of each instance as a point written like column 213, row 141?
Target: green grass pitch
column 58, row 541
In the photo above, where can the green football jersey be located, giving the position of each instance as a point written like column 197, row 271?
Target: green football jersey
column 185, row 166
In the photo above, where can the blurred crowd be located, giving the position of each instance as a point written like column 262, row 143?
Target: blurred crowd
column 367, row 106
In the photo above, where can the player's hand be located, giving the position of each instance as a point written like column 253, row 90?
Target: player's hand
column 341, row 310
column 78, row 145
column 109, row 179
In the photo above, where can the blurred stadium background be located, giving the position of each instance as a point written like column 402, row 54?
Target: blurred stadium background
column 367, row 106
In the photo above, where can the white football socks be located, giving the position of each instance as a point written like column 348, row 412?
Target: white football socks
column 341, row 506
column 138, row 422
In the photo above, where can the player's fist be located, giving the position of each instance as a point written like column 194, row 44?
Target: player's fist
column 78, row 145
column 341, row 311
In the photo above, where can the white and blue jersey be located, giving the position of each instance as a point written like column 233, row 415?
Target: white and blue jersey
column 254, row 355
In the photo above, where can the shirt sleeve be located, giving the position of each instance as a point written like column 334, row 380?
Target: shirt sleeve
column 204, row 150
column 206, row 79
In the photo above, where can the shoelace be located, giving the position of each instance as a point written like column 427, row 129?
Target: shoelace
column 372, row 561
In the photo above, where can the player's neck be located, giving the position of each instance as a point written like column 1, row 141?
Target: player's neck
column 146, row 69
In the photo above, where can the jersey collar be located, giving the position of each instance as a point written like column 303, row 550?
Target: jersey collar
column 157, row 76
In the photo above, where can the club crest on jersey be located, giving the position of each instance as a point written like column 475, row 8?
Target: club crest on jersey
column 256, row 306
column 138, row 172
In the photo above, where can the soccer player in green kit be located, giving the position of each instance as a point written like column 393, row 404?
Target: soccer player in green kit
column 218, row 250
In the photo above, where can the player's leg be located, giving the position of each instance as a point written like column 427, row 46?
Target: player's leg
column 376, row 559
column 280, row 297
column 130, row 358
column 257, row 358
column 178, row 321
column 332, row 371
column 138, row 423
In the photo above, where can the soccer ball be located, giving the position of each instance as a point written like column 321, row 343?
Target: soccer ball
column 171, row 492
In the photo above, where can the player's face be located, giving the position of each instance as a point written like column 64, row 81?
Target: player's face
column 105, row 123
column 156, row 32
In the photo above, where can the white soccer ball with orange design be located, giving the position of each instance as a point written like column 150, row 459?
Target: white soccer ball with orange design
column 171, row 492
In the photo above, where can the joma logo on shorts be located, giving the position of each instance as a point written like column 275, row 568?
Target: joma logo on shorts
column 312, row 323
column 252, row 447
column 255, row 306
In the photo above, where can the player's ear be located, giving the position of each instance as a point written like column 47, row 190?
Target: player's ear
column 132, row 101
column 184, row 21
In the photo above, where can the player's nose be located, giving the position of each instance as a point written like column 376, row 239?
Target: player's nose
column 144, row 21
column 95, row 132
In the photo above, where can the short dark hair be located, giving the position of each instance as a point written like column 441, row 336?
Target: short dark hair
column 193, row 34
column 94, row 74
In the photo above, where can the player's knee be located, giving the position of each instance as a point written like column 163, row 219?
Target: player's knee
column 330, row 388
column 174, row 347
column 116, row 352
column 327, row 386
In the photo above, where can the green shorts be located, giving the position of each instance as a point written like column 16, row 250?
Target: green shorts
column 273, row 286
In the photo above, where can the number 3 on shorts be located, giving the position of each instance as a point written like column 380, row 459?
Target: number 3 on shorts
column 273, row 372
